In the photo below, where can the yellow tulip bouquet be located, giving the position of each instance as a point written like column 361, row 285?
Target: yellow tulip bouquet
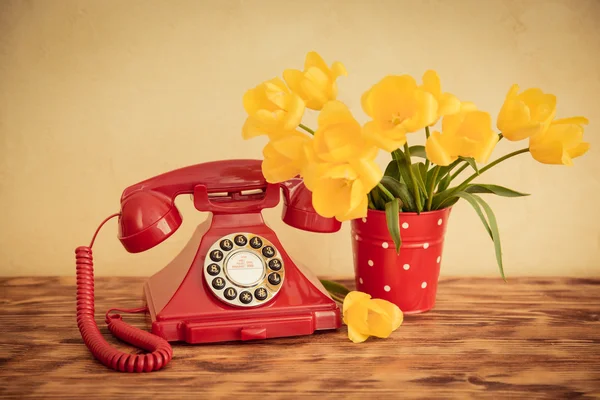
column 337, row 159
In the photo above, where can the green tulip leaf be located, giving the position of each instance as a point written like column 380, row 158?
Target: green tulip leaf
column 475, row 204
column 489, row 222
column 494, row 189
column 378, row 198
column 416, row 169
column 417, row 151
column 335, row 288
column 391, row 216
column 444, row 183
column 495, row 233
column 471, row 162
column 400, row 190
column 392, row 170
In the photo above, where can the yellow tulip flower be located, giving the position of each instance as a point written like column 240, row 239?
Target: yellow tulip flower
column 340, row 189
column 338, row 137
column 284, row 157
column 467, row 134
column 447, row 103
column 366, row 317
column 526, row 114
column 397, row 106
column 272, row 110
column 560, row 143
column 316, row 85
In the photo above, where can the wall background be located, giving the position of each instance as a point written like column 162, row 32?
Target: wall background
column 97, row 95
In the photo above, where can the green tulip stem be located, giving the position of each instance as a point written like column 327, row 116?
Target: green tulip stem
column 412, row 178
column 436, row 171
column 307, row 129
column 490, row 165
column 427, row 134
column 384, row 190
column 461, row 169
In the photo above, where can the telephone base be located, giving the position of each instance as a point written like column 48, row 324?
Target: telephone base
column 246, row 329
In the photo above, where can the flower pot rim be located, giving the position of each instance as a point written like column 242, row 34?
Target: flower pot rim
column 412, row 213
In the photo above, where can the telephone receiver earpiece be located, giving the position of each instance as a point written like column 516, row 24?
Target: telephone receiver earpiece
column 147, row 219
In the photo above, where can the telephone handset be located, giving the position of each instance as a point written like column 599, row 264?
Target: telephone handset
column 233, row 281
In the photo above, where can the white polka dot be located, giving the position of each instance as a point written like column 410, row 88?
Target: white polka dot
column 423, row 285
column 385, row 245
column 360, row 280
column 406, row 267
column 387, row 288
column 439, row 259
column 425, row 245
column 440, row 221
column 355, row 237
column 405, row 225
column 370, row 262
column 364, row 220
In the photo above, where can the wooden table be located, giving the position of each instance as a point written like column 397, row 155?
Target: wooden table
column 530, row 338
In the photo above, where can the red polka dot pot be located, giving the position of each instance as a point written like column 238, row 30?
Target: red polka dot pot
column 408, row 279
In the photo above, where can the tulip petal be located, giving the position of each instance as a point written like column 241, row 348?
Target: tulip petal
column 357, row 317
column 396, row 315
column 331, row 197
column 427, row 113
column 486, row 148
column 436, row 152
column 293, row 78
column 340, row 171
column 366, row 103
column 290, row 145
column 393, row 95
column 466, row 106
column 514, row 121
column 334, row 112
column 381, row 138
column 571, row 120
column 369, row 172
column 313, row 171
column 541, row 106
column 570, row 135
column 359, row 212
column 338, row 69
column 431, row 83
column 448, row 104
column 476, row 124
column 357, row 194
column 451, row 123
column 355, row 336
column 318, row 77
column 380, row 324
column 352, row 298
column 315, row 95
column 295, row 111
column 548, row 152
column 579, row 150
column 314, row 59
column 250, row 129
column 275, row 172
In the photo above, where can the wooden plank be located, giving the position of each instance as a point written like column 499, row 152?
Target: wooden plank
column 529, row 338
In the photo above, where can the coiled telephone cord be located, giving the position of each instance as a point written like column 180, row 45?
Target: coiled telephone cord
column 160, row 351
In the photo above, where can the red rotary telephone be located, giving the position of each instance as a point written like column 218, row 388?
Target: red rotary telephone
column 233, row 280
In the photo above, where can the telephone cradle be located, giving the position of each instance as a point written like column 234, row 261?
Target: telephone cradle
column 233, row 281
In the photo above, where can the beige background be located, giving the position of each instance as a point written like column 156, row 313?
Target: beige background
column 97, row 95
